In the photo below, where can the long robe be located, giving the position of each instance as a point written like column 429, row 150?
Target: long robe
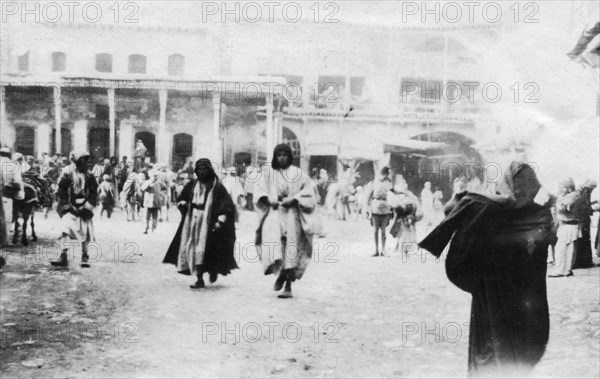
column 583, row 245
column 219, row 244
column 284, row 236
column 77, row 220
column 498, row 254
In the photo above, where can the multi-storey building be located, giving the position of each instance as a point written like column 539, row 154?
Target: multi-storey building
column 372, row 95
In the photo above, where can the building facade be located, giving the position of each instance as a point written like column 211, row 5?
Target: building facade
column 342, row 93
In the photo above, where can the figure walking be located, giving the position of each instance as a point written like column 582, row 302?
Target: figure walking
column 205, row 238
column 77, row 198
column 285, row 201
column 380, row 212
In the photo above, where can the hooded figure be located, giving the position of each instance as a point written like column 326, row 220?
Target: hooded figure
column 205, row 238
column 498, row 254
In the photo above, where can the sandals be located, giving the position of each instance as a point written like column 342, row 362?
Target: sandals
column 285, row 295
column 279, row 283
column 198, row 284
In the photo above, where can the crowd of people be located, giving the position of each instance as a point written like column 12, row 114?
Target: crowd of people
column 499, row 240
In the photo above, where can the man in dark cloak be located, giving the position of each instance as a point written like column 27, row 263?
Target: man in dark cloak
column 498, row 254
column 205, row 239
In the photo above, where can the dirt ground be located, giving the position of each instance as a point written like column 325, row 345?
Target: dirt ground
column 352, row 315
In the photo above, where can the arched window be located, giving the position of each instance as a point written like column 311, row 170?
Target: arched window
column 176, row 65
column 59, row 61
column 104, row 62
column 137, row 64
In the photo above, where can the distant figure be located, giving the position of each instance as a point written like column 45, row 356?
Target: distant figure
column 379, row 210
column 407, row 211
column 322, row 184
column 130, row 196
column 11, row 185
column 583, row 246
column 427, row 203
column 98, row 169
column 107, row 196
column 18, row 157
column 234, row 187
column 140, row 150
column 595, row 198
column 153, row 191
column 438, row 205
column 568, row 228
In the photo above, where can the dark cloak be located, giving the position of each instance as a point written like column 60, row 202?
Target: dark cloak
column 583, row 246
column 218, row 256
column 498, row 254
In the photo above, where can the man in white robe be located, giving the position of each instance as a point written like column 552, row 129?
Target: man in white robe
column 285, row 201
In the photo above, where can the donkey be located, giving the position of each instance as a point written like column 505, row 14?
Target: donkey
column 37, row 193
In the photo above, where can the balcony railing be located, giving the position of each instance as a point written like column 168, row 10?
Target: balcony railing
column 403, row 111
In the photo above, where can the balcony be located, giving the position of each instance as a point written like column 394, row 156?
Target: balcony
column 403, row 112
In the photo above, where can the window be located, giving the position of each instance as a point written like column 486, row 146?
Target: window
column 24, row 62
column 102, row 112
column 59, row 61
column 357, row 84
column 25, row 140
column 176, row 65
column 137, row 64
column 103, row 62
column 414, row 90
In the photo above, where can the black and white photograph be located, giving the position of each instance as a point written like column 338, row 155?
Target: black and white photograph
column 300, row 189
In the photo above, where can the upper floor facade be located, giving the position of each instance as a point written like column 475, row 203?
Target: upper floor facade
column 332, row 71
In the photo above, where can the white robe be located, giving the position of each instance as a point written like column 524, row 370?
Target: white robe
column 286, row 234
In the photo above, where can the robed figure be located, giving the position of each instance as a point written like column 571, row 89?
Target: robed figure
column 285, row 202
column 205, row 239
column 498, row 254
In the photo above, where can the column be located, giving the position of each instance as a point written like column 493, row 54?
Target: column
column 445, row 105
column 346, row 97
column 126, row 140
column 80, row 135
column 278, row 121
column 162, row 147
column 57, row 118
column 2, row 103
column 7, row 132
column 217, row 154
column 270, row 131
column 111, row 120
column 43, row 134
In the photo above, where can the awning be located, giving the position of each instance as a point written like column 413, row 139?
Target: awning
column 413, row 146
column 367, row 152
column 321, row 148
